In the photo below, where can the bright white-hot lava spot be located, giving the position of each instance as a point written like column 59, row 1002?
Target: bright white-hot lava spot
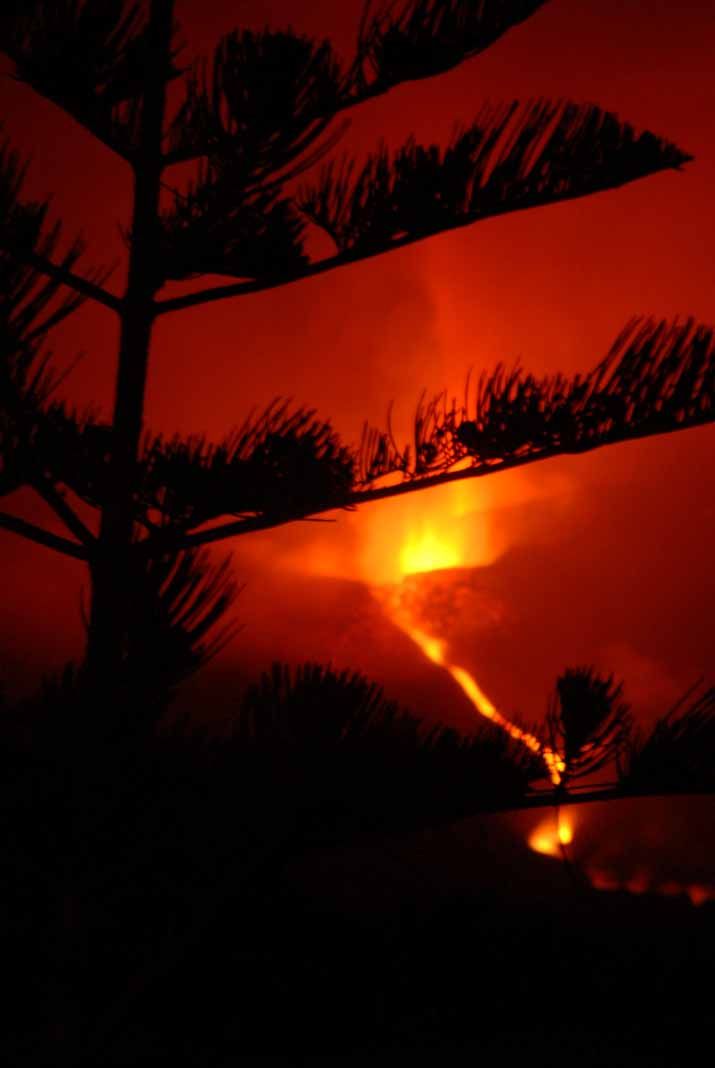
column 550, row 836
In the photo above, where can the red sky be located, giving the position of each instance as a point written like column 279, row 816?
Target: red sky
column 603, row 559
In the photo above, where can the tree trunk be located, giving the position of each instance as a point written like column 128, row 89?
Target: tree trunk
column 111, row 604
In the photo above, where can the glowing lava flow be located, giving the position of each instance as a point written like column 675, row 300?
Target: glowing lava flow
column 435, row 544
column 423, row 551
column 435, row 650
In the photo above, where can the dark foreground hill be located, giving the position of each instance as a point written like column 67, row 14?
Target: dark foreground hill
column 387, row 951
column 602, row 979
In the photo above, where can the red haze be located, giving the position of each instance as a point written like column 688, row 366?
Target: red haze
column 605, row 558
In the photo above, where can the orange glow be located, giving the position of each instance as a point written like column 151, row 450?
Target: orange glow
column 432, row 550
column 565, row 833
column 435, row 650
column 637, row 883
column 549, row 836
column 426, row 552
column 443, row 528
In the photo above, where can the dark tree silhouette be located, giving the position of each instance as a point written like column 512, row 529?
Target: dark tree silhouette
column 250, row 122
column 85, row 805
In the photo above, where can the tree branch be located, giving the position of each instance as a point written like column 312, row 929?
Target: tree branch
column 87, row 58
column 42, row 537
column 419, row 39
column 424, row 39
column 344, row 259
column 547, row 799
column 169, row 541
column 81, row 285
column 242, row 289
column 52, row 496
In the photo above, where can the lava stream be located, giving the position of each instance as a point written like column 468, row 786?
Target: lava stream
column 435, row 650
column 551, row 836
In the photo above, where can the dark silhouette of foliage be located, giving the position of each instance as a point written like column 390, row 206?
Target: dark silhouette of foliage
column 178, row 602
column 285, row 465
column 588, row 724
column 280, row 462
column 152, row 843
column 29, row 306
column 657, row 377
column 118, row 824
column 514, row 157
column 248, row 123
column 331, row 741
column 146, row 836
column 87, row 56
column 400, row 42
column 261, row 106
column 678, row 755
column 267, row 97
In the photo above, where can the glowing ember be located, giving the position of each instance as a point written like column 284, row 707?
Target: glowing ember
column 549, row 837
column 641, row 883
column 565, row 833
column 546, row 839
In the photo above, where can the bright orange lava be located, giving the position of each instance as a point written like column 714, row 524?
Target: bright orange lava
column 430, row 552
column 550, row 836
column 435, row 650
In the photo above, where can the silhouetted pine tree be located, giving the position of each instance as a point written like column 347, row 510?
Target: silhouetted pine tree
column 251, row 120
